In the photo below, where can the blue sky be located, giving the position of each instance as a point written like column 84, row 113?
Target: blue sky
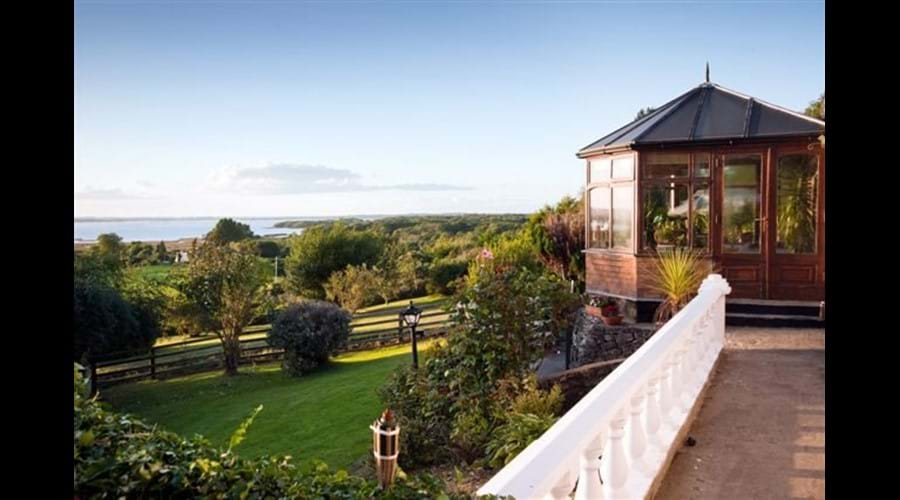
column 275, row 108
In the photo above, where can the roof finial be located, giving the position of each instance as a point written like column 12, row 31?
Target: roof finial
column 707, row 71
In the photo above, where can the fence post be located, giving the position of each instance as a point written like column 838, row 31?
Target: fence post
column 152, row 362
column 400, row 327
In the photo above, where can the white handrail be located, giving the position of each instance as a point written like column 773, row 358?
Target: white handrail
column 632, row 417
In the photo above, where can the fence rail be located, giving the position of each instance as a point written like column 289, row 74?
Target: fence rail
column 625, row 430
column 197, row 355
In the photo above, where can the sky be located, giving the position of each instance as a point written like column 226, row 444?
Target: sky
column 307, row 108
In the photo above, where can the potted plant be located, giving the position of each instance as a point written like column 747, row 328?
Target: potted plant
column 669, row 233
column 593, row 305
column 609, row 312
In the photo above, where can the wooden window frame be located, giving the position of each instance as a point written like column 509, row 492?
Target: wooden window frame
column 691, row 181
column 609, row 184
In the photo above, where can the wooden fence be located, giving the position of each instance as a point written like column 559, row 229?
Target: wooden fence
column 368, row 330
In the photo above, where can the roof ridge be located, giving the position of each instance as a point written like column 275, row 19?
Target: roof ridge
column 770, row 105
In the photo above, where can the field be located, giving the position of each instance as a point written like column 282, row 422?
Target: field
column 324, row 415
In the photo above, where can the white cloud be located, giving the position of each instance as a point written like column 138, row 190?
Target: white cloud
column 300, row 179
column 92, row 193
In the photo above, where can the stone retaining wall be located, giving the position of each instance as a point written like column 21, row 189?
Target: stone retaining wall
column 593, row 340
column 577, row 382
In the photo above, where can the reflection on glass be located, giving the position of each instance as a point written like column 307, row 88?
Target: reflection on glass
column 701, row 164
column 667, row 165
column 600, row 169
column 700, row 216
column 797, row 188
column 623, row 167
column 623, row 203
column 665, row 216
column 599, row 218
column 741, row 204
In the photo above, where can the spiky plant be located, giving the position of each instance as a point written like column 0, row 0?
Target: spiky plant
column 677, row 277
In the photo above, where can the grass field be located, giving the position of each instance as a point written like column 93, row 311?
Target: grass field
column 324, row 415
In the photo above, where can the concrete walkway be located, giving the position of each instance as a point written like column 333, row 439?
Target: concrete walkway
column 760, row 433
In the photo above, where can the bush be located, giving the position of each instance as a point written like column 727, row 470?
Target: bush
column 309, row 332
column 443, row 275
column 515, row 435
column 118, row 456
column 105, row 323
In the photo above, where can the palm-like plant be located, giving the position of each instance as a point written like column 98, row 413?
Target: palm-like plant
column 677, row 276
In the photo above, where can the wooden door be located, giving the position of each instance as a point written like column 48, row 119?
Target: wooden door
column 796, row 247
column 740, row 223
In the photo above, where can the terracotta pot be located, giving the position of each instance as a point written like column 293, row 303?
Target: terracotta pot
column 612, row 320
column 594, row 311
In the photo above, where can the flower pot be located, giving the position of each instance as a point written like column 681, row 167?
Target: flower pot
column 612, row 320
column 609, row 310
column 594, row 311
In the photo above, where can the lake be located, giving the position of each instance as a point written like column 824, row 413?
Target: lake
column 169, row 229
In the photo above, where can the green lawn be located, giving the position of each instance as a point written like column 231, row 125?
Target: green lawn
column 157, row 272
column 325, row 415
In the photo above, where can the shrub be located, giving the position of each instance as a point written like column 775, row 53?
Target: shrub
column 443, row 274
column 309, row 332
column 118, row 456
column 537, row 402
column 105, row 323
column 354, row 287
column 515, row 435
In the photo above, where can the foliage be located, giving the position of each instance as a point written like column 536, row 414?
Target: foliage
column 796, row 217
column 517, row 251
column 644, row 112
column 503, row 320
column 816, row 109
column 224, row 286
column 354, row 287
column 228, row 231
column 91, row 267
column 241, row 432
column 444, row 273
column 268, row 249
column 140, row 254
column 309, row 332
column 677, row 276
column 105, row 323
column 514, row 435
column 109, row 246
column 532, row 400
column 119, row 456
column 558, row 235
column 322, row 250
column 162, row 255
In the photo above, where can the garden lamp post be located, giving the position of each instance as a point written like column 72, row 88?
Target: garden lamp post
column 411, row 316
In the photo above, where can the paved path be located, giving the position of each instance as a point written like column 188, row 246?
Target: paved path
column 760, row 433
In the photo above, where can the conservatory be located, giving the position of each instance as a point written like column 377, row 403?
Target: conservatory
column 734, row 177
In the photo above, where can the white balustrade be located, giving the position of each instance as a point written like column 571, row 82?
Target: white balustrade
column 613, row 443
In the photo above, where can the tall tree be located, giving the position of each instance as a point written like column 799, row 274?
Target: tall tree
column 816, row 109
column 558, row 234
column 109, row 247
column 224, row 284
column 228, row 231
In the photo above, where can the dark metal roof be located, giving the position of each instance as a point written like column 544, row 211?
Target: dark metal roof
column 708, row 112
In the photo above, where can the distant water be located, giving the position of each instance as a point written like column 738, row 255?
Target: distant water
column 170, row 229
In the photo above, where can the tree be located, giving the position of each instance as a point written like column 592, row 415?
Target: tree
column 162, row 255
column 558, row 234
column 320, row 251
column 353, row 287
column 816, row 109
column 94, row 268
column 224, row 285
column 228, row 231
column 104, row 322
column 109, row 247
column 644, row 112
column 309, row 332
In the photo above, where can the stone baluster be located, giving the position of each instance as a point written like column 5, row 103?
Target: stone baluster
column 686, row 374
column 614, row 465
column 636, row 437
column 562, row 489
column 652, row 423
column 589, row 485
column 665, row 398
column 677, row 409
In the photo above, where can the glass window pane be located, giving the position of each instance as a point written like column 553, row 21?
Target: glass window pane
column 623, row 215
column 741, row 204
column 599, row 231
column 700, row 216
column 665, row 216
column 701, row 164
column 600, row 169
column 797, row 187
column 667, row 165
column 623, row 167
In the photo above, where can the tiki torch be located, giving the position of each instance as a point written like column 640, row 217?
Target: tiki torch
column 386, row 447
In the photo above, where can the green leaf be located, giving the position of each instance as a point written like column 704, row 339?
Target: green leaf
column 241, row 432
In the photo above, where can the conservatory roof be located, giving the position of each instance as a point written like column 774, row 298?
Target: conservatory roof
column 708, row 112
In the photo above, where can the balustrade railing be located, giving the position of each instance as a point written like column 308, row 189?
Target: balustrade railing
column 614, row 443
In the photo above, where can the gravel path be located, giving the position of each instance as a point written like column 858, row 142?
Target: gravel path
column 761, row 431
